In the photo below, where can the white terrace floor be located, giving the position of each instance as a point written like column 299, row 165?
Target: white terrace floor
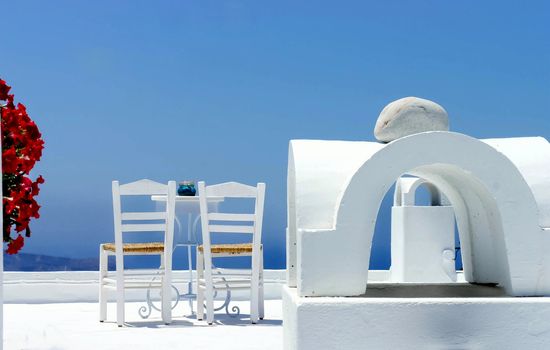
column 76, row 326
column 59, row 310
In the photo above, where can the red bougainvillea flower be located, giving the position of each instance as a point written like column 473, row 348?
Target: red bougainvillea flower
column 22, row 147
column 15, row 245
column 4, row 89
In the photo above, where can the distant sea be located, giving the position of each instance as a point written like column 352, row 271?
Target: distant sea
column 37, row 262
column 40, row 262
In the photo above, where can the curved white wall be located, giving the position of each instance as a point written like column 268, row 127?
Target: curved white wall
column 335, row 189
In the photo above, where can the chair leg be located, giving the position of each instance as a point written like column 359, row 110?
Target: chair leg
column 120, row 304
column 255, row 286
column 209, row 293
column 254, row 294
column 200, row 303
column 200, row 290
column 261, row 290
column 166, row 295
column 103, row 259
column 166, row 304
column 120, row 296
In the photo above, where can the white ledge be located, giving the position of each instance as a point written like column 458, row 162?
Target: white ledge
column 82, row 286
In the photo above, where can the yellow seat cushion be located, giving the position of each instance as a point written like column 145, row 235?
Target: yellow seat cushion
column 238, row 248
column 151, row 247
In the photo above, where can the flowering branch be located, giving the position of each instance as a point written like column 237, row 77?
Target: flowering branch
column 22, row 147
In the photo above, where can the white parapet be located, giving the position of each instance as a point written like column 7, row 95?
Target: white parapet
column 82, row 286
column 455, row 317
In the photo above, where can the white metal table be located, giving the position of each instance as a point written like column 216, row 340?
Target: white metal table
column 186, row 207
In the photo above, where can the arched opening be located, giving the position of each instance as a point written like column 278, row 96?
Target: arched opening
column 478, row 219
column 380, row 258
column 424, row 195
column 422, row 233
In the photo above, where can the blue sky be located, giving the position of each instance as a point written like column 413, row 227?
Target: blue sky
column 213, row 91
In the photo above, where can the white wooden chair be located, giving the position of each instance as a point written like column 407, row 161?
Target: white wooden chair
column 211, row 223
column 138, row 222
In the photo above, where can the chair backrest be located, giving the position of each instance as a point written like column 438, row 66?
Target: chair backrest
column 247, row 223
column 148, row 221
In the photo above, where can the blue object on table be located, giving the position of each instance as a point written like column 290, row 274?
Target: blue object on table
column 186, row 188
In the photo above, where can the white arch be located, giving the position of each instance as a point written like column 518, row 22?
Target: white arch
column 496, row 213
column 405, row 191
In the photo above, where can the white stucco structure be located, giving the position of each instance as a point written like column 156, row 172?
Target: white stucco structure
column 499, row 188
column 500, row 192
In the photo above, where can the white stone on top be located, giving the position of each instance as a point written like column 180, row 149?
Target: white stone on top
column 410, row 115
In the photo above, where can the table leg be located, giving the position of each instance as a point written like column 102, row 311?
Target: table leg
column 190, row 260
